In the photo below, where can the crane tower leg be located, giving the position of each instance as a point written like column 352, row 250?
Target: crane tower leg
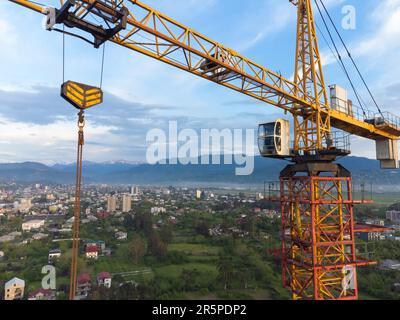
column 318, row 243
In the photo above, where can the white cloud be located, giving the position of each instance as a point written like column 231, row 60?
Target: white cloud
column 50, row 142
column 387, row 35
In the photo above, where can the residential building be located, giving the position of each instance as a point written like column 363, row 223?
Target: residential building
column 39, row 236
column 199, row 194
column 111, row 204
column 92, row 252
column 14, row 289
column 103, row 215
column 50, row 197
column 54, row 254
column 7, row 238
column 158, row 210
column 83, row 286
column 120, row 235
column 104, row 279
column 32, row 224
column 135, row 191
column 389, row 264
column 42, row 294
column 53, row 208
column 393, row 216
column 372, row 236
column 25, row 205
column 126, row 203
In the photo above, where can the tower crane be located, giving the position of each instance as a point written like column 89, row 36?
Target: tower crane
column 319, row 258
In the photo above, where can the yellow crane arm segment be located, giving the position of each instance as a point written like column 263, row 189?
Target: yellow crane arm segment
column 154, row 34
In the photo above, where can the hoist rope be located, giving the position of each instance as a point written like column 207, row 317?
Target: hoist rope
column 102, row 65
column 77, row 207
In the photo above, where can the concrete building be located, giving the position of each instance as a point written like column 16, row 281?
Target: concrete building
column 92, row 252
column 104, row 279
column 111, row 204
column 54, row 255
column 84, row 286
column 42, row 294
column 135, row 191
column 14, row 289
column 158, row 210
column 199, row 194
column 372, row 236
column 120, row 235
column 32, row 224
column 389, row 264
column 393, row 216
column 25, row 204
column 126, row 203
column 39, row 236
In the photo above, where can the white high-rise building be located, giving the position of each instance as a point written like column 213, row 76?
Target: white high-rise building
column 199, row 194
column 111, row 204
column 135, row 191
column 126, row 203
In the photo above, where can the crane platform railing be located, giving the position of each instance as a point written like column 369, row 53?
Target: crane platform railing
column 384, row 120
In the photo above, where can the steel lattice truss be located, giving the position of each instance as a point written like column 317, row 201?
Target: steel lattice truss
column 318, row 238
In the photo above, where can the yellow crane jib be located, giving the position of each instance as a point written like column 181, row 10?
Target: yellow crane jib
column 81, row 96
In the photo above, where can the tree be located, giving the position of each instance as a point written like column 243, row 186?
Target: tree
column 188, row 279
column 166, row 233
column 144, row 223
column 129, row 222
column 156, row 246
column 250, row 225
column 137, row 248
column 225, row 270
column 203, row 228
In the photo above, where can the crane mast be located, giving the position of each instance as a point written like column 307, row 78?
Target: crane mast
column 312, row 129
column 319, row 258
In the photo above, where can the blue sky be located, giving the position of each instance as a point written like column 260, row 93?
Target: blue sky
column 141, row 93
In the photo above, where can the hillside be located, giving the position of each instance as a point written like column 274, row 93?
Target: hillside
column 125, row 173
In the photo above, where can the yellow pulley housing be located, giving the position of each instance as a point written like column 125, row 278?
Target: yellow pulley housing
column 81, row 96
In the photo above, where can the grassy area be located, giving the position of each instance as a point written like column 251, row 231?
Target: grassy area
column 175, row 271
column 112, row 265
column 261, row 295
column 195, row 249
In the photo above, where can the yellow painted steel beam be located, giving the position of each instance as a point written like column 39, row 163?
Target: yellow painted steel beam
column 30, row 5
column 154, row 34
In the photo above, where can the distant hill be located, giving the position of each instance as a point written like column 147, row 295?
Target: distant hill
column 126, row 173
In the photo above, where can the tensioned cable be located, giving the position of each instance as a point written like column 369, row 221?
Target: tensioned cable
column 351, row 58
column 335, row 56
column 341, row 60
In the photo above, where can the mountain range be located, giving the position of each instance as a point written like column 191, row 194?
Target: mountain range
column 363, row 169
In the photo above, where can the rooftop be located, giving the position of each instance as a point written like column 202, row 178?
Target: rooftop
column 103, row 275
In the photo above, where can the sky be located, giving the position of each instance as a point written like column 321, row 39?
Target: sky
column 142, row 94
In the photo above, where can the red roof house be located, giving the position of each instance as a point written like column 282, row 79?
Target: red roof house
column 42, row 294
